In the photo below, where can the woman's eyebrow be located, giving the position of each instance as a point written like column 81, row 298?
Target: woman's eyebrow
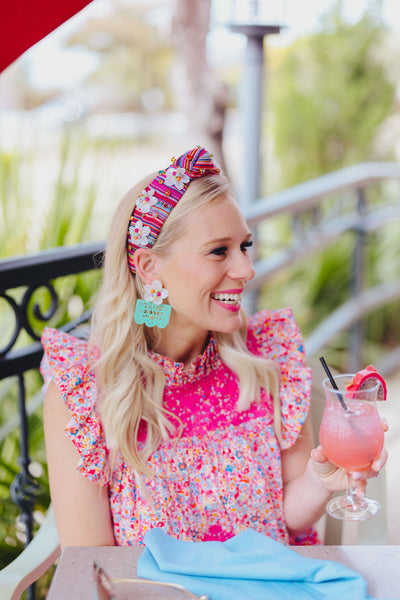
column 218, row 241
column 226, row 239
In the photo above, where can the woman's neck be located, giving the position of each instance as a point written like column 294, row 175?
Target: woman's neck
column 183, row 349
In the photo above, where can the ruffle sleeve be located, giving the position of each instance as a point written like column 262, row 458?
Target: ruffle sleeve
column 65, row 362
column 276, row 335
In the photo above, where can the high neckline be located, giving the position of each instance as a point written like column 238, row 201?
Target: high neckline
column 175, row 372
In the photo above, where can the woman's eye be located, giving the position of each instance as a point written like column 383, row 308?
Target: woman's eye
column 219, row 251
column 246, row 245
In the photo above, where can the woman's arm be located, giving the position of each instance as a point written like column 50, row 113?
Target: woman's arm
column 81, row 507
column 304, row 495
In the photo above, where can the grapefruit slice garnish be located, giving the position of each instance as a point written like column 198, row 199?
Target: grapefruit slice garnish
column 367, row 378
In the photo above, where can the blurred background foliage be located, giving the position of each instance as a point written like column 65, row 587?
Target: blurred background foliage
column 332, row 101
column 66, row 220
column 332, row 92
column 134, row 60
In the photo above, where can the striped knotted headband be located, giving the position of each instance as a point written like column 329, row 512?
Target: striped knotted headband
column 161, row 195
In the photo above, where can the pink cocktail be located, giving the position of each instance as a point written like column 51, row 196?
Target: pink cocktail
column 351, row 436
column 354, row 439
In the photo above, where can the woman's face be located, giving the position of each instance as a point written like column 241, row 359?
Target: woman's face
column 206, row 270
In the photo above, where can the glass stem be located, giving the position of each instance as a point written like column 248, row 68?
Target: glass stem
column 355, row 493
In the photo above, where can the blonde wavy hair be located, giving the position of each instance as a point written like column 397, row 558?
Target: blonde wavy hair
column 131, row 384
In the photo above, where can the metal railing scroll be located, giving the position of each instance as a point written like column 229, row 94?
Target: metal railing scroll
column 28, row 275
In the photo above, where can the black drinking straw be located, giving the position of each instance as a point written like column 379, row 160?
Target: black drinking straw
column 333, row 382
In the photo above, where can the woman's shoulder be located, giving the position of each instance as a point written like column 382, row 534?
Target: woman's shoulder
column 270, row 317
column 65, row 360
column 275, row 333
column 63, row 346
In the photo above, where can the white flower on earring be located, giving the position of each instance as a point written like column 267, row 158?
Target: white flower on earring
column 146, row 201
column 138, row 234
column 177, row 177
column 155, row 292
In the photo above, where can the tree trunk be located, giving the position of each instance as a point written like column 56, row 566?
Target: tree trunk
column 200, row 94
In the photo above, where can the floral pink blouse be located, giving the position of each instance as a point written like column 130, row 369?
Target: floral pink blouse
column 224, row 474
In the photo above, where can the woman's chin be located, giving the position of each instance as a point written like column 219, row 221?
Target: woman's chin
column 230, row 324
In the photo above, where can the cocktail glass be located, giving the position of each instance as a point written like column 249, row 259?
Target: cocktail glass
column 351, row 437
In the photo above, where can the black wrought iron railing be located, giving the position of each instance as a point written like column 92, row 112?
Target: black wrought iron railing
column 31, row 274
column 319, row 212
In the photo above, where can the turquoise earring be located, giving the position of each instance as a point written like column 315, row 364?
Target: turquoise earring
column 151, row 311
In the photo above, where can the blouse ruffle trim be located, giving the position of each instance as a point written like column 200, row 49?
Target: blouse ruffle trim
column 276, row 335
column 65, row 361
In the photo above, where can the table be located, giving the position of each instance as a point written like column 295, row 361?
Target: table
column 379, row 565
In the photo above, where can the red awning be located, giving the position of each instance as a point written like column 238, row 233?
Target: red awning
column 25, row 22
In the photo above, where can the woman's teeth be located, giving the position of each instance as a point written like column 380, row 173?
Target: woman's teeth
column 227, row 297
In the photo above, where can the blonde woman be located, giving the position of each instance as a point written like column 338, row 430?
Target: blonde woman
column 179, row 412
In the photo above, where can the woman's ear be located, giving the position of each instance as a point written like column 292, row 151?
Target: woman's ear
column 146, row 264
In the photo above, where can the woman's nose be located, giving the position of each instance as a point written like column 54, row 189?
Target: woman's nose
column 242, row 267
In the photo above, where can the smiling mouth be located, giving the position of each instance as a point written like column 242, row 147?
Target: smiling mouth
column 228, row 298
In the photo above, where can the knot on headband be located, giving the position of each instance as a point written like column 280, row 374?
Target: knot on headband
column 161, row 195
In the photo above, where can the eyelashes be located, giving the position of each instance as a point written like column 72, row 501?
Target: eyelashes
column 246, row 245
column 219, row 251
column 222, row 250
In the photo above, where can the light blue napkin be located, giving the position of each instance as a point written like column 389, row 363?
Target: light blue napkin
column 249, row 566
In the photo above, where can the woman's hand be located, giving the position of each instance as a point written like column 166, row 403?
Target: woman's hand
column 310, row 481
column 332, row 477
